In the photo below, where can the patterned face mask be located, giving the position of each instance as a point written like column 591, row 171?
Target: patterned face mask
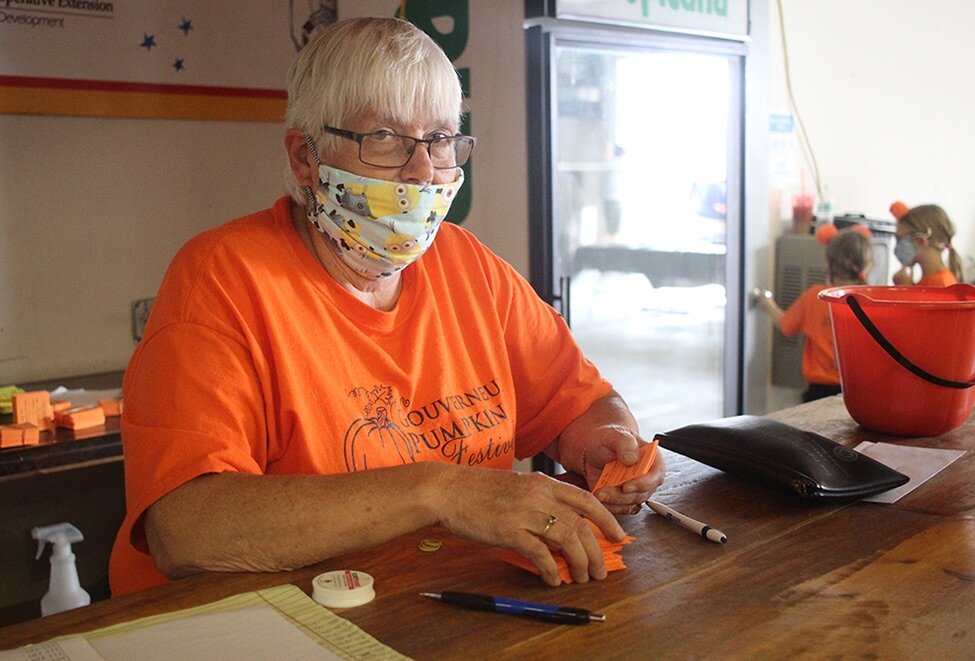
column 905, row 250
column 379, row 227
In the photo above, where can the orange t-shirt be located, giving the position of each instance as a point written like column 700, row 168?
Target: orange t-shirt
column 942, row 278
column 810, row 316
column 255, row 360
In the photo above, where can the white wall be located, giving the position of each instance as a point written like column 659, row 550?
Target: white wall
column 886, row 89
column 92, row 210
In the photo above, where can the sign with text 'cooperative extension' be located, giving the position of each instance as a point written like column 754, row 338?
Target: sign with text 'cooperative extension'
column 720, row 17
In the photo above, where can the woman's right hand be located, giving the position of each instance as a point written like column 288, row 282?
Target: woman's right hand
column 512, row 510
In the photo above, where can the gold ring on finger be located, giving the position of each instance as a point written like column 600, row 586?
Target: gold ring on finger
column 551, row 522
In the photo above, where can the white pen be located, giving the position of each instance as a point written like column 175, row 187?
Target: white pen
column 702, row 529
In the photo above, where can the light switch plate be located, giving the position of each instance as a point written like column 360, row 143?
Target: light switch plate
column 140, row 315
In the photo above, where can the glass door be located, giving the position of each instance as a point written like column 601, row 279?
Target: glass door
column 645, row 184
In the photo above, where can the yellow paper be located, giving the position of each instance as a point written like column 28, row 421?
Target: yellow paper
column 341, row 638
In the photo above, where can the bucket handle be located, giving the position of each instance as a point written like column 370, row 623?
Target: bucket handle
column 897, row 355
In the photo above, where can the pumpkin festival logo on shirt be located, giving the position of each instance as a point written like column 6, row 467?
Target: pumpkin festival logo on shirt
column 471, row 427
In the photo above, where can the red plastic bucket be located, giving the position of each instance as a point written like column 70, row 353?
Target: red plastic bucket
column 906, row 355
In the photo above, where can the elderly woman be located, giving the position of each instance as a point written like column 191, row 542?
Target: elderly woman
column 344, row 368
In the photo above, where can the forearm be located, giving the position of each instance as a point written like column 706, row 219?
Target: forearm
column 238, row 522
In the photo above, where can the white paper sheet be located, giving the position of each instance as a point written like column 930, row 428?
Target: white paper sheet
column 919, row 464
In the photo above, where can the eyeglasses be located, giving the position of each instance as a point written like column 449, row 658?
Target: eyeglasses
column 383, row 149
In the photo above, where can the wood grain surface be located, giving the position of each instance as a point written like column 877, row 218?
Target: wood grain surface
column 795, row 580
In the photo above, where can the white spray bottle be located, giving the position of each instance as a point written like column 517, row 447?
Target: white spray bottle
column 65, row 591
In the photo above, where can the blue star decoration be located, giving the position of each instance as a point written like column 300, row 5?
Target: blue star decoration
column 186, row 26
column 178, row 64
column 148, row 41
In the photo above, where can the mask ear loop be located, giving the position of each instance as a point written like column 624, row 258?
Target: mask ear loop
column 312, row 200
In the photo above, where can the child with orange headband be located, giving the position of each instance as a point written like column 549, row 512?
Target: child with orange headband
column 849, row 257
column 924, row 233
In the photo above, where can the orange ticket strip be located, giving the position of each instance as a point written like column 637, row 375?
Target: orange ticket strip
column 616, row 473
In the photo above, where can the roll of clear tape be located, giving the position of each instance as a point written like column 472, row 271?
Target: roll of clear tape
column 344, row 588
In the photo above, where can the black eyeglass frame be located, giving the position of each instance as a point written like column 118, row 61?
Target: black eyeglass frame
column 359, row 137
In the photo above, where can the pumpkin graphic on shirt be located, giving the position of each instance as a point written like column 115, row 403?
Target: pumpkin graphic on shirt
column 374, row 439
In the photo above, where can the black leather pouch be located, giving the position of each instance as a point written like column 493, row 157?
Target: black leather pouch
column 782, row 456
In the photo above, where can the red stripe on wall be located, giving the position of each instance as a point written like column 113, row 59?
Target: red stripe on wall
column 154, row 88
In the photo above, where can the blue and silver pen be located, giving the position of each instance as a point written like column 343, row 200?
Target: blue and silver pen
column 549, row 612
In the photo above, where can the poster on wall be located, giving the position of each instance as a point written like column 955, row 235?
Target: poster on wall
column 185, row 59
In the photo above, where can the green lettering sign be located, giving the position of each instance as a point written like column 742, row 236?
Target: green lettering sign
column 452, row 14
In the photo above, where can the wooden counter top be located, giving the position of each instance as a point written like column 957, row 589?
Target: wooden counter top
column 856, row 580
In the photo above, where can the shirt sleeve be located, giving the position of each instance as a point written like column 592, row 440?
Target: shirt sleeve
column 792, row 319
column 194, row 403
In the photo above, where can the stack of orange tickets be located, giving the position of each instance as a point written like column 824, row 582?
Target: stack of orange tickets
column 614, row 474
column 611, row 555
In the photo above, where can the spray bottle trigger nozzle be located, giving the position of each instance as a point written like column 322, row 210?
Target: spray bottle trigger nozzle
column 58, row 534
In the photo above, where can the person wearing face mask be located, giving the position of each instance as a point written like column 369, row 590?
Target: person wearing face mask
column 849, row 258
column 924, row 234
column 345, row 367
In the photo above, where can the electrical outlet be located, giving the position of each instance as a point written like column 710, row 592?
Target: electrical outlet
column 140, row 315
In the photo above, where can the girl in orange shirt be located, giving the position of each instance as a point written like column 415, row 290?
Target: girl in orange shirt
column 923, row 235
column 848, row 259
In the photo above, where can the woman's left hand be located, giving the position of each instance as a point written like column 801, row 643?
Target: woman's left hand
column 620, row 443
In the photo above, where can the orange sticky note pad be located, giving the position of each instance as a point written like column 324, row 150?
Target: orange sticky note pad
column 19, row 434
column 11, row 437
column 81, row 417
column 32, row 407
column 111, row 407
column 616, row 473
column 31, row 433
